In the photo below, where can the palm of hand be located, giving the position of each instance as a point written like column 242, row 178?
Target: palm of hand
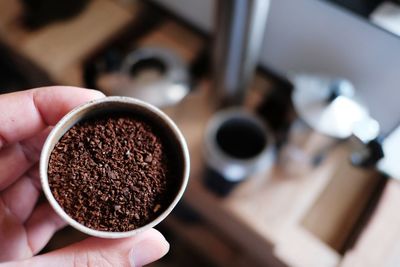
column 24, row 226
column 25, row 117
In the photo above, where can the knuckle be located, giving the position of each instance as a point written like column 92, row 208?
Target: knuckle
column 80, row 260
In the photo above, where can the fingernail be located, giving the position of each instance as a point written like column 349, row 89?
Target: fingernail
column 148, row 251
column 98, row 94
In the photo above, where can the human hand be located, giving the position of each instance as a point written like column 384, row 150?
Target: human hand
column 25, row 228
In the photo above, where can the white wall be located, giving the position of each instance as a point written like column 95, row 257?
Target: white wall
column 312, row 35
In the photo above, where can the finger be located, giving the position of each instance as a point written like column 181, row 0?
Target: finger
column 136, row 251
column 16, row 159
column 25, row 113
column 41, row 226
column 13, row 240
column 21, row 197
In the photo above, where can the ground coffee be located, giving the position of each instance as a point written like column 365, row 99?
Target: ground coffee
column 111, row 173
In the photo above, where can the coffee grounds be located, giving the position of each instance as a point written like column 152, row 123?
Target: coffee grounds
column 110, row 174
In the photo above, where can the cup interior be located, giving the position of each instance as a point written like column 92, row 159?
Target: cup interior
column 236, row 135
column 241, row 138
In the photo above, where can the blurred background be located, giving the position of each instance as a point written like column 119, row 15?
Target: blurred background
column 290, row 109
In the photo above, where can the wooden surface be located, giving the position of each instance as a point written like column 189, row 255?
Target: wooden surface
column 277, row 216
column 336, row 210
column 175, row 37
column 291, row 220
column 379, row 244
column 60, row 48
column 210, row 243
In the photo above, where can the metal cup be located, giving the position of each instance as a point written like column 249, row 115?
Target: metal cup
column 109, row 105
column 237, row 145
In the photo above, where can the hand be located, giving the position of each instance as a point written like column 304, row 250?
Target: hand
column 25, row 228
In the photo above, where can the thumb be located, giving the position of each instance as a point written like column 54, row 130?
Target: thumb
column 139, row 250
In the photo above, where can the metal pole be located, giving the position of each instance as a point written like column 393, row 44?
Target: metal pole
column 240, row 27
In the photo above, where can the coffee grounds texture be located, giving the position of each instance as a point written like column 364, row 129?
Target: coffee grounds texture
column 111, row 173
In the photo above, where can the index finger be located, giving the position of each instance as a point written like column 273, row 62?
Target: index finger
column 25, row 113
